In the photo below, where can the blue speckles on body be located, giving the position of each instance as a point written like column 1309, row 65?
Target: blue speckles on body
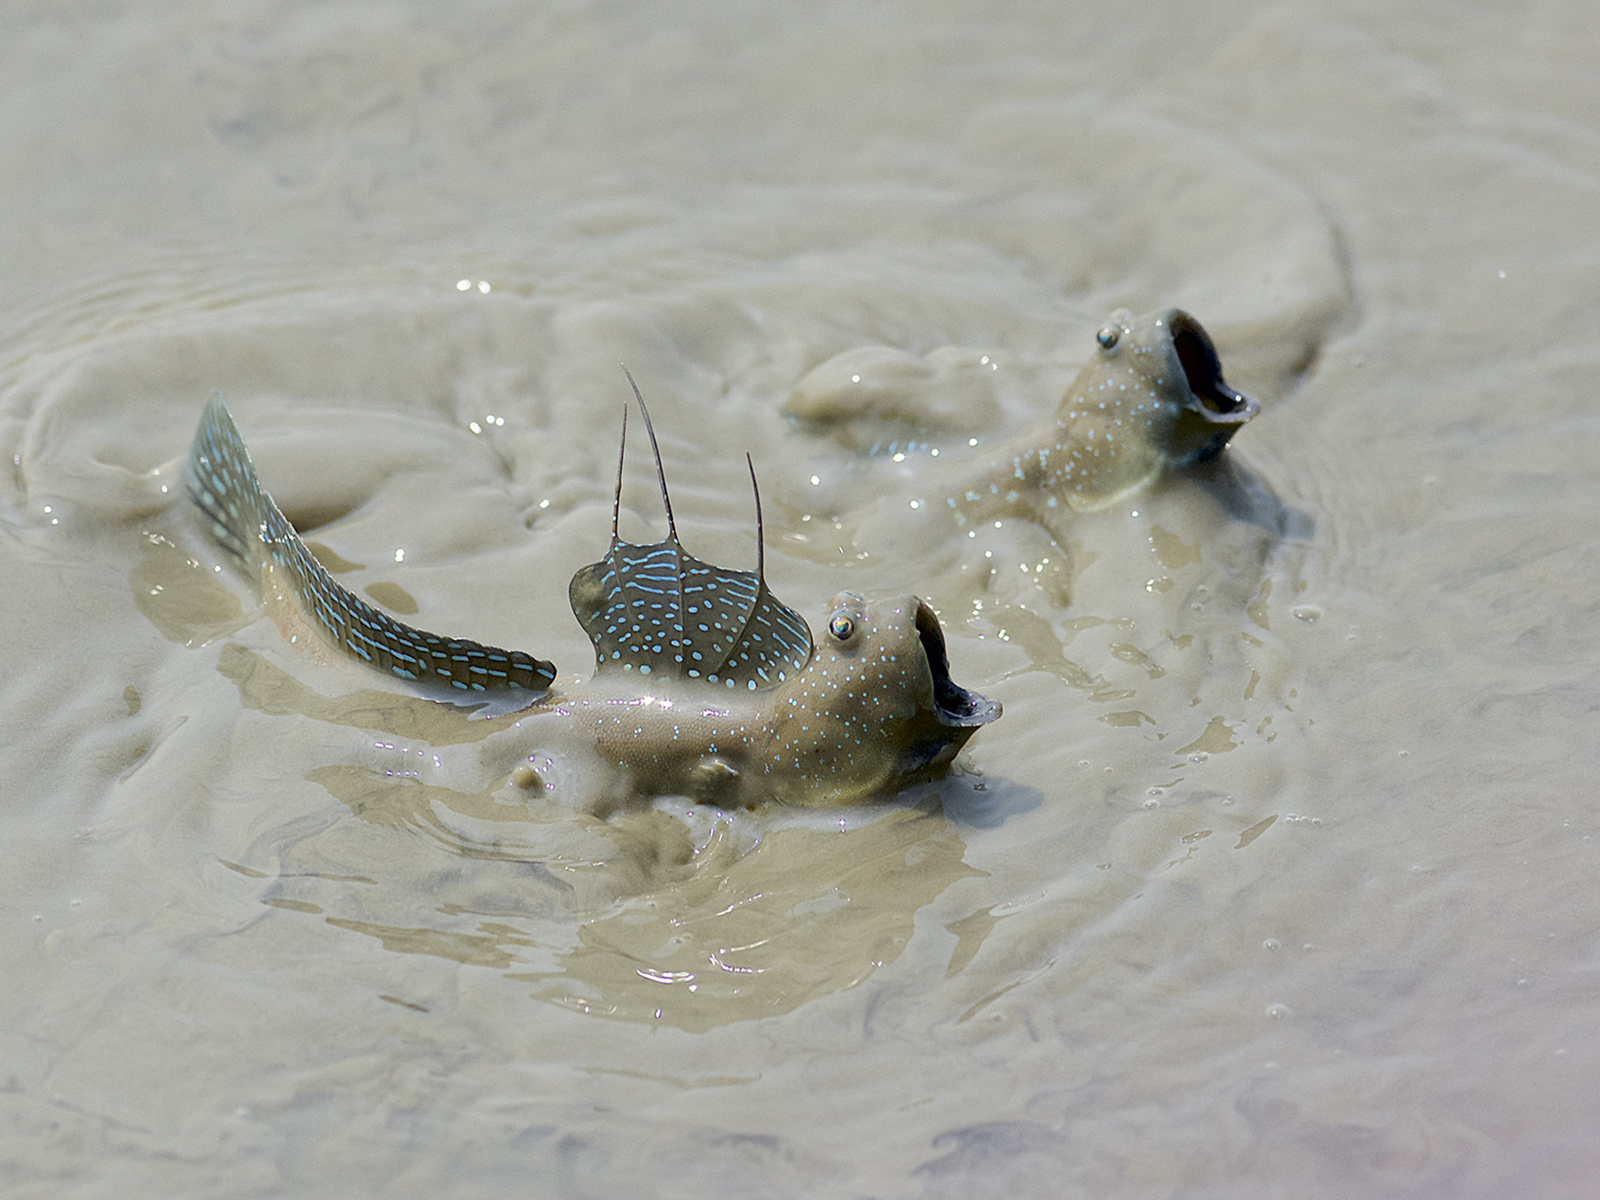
column 1122, row 421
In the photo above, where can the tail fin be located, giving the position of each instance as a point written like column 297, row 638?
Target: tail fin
column 247, row 523
column 222, row 481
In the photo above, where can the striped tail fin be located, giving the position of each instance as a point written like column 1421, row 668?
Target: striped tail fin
column 222, row 481
column 247, row 523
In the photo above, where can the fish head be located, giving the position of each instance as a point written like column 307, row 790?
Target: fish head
column 1161, row 376
column 875, row 709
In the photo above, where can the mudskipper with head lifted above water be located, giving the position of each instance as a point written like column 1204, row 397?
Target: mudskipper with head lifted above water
column 705, row 684
column 1151, row 398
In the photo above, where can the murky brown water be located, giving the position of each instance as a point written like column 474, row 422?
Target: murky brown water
column 1277, row 877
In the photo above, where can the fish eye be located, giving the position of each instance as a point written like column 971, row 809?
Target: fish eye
column 1108, row 337
column 842, row 626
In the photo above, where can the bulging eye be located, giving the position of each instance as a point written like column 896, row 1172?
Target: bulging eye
column 1109, row 337
column 842, row 626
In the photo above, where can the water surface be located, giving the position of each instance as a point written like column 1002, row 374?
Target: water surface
column 1278, row 875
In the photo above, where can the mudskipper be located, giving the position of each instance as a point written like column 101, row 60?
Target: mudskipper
column 1151, row 398
column 705, row 684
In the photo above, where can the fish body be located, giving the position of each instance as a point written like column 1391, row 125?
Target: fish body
column 1152, row 397
column 705, row 684
column 873, row 711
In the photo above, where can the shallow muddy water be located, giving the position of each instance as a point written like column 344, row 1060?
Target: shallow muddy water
column 1279, row 874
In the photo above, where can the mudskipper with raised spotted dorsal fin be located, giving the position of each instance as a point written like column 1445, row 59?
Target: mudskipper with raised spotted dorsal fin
column 705, row 683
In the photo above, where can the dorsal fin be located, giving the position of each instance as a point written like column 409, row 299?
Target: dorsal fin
column 655, row 448
column 622, row 457
column 761, row 536
column 659, row 611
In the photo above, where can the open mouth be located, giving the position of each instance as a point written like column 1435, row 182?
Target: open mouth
column 1203, row 369
column 954, row 705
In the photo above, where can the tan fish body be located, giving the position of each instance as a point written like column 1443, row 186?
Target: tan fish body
column 873, row 711
column 705, row 685
column 1151, row 398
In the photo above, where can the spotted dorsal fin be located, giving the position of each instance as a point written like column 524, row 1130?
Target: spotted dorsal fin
column 660, row 611
column 246, row 521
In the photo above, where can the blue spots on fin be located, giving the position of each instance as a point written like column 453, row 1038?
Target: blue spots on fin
column 635, row 605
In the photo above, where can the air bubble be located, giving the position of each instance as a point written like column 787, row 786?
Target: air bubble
column 1277, row 1011
column 1152, row 803
column 1306, row 612
column 1272, row 945
column 1199, row 756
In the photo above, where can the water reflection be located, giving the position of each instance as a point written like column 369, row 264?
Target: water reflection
column 272, row 690
column 182, row 598
column 806, row 913
column 694, row 938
